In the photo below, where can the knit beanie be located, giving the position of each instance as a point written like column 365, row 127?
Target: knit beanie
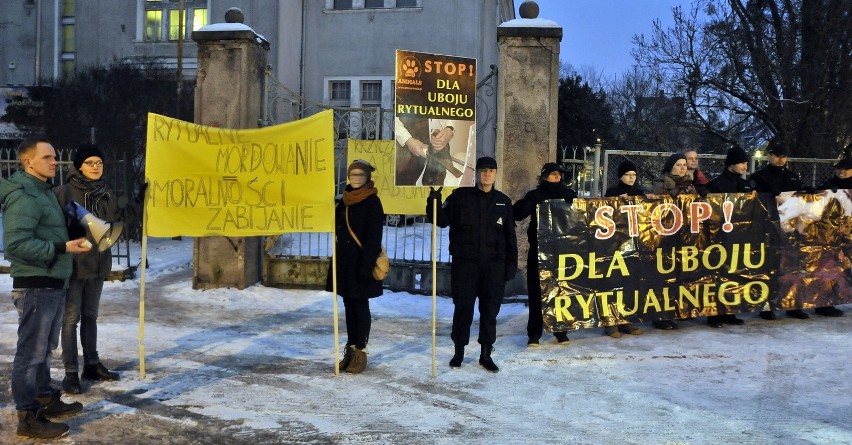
column 84, row 152
column 627, row 166
column 670, row 162
column 736, row 155
column 549, row 168
column 360, row 164
column 843, row 164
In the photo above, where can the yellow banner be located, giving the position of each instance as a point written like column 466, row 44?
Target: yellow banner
column 395, row 200
column 209, row 181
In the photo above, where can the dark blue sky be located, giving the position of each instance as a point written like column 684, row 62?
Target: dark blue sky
column 599, row 33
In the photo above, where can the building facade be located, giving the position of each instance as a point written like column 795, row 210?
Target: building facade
column 334, row 52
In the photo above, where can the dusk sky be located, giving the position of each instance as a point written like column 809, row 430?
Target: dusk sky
column 599, row 33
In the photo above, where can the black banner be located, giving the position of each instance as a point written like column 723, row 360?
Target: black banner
column 606, row 260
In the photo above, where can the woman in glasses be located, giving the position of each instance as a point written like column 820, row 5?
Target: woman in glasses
column 87, row 187
column 359, row 219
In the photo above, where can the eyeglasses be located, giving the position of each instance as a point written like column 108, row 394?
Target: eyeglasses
column 94, row 163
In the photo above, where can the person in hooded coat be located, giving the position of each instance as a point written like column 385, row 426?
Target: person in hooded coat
column 86, row 186
column 359, row 214
column 550, row 186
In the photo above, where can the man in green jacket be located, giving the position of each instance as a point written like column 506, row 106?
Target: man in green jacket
column 36, row 245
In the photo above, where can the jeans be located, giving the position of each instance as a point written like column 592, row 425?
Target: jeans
column 81, row 305
column 39, row 319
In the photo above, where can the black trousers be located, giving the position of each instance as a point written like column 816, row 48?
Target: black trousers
column 535, row 323
column 472, row 279
column 358, row 320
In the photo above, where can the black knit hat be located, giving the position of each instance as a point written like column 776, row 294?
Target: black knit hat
column 549, row 168
column 843, row 164
column 627, row 166
column 84, row 152
column 778, row 148
column 670, row 162
column 736, row 155
column 486, row 162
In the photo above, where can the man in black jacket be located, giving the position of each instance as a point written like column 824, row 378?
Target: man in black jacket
column 485, row 255
column 730, row 181
column 775, row 178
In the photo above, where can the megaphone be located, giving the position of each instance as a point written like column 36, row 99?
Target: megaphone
column 103, row 234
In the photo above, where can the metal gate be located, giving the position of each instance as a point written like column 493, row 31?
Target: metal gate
column 301, row 259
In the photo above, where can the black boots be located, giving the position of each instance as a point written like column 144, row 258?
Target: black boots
column 34, row 424
column 798, row 313
column 828, row 311
column 98, row 372
column 458, row 357
column 53, row 406
column 71, row 383
column 485, row 359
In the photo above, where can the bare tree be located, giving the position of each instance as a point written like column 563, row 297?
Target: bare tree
column 785, row 65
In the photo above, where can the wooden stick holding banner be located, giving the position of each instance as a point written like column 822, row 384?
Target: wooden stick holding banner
column 334, row 295
column 144, row 262
column 434, row 286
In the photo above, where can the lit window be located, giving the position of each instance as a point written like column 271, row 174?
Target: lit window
column 199, row 18
column 174, row 24
column 153, row 25
column 157, row 11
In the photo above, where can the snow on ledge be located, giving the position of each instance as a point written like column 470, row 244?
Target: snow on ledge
column 529, row 23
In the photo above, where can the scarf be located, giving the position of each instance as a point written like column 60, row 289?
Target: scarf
column 94, row 193
column 354, row 196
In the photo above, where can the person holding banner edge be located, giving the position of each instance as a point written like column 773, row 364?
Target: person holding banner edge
column 86, row 186
column 359, row 218
column 773, row 179
column 842, row 179
column 550, row 186
column 484, row 248
column 675, row 181
column 626, row 187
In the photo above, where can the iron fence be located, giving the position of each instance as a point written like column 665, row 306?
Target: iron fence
column 812, row 171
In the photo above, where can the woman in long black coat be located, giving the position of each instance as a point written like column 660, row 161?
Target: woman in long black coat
column 550, row 186
column 359, row 213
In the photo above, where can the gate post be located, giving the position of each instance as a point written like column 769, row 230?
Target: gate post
column 231, row 64
column 526, row 105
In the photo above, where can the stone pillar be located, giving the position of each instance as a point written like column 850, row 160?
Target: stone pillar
column 232, row 60
column 526, row 105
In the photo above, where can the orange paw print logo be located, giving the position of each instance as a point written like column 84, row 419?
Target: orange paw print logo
column 410, row 68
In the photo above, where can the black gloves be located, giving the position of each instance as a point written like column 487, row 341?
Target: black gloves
column 435, row 193
column 140, row 197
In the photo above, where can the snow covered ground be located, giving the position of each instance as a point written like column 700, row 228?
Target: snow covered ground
column 256, row 367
